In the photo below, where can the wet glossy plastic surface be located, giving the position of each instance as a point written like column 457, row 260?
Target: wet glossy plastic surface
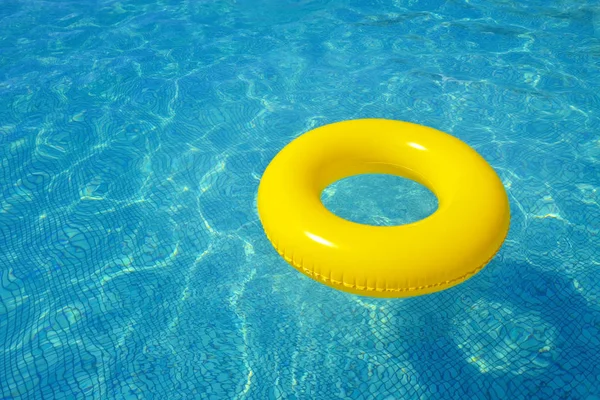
column 432, row 254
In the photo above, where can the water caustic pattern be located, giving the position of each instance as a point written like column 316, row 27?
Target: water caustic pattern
column 133, row 136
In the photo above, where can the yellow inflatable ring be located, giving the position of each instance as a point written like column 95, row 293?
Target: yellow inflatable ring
column 440, row 251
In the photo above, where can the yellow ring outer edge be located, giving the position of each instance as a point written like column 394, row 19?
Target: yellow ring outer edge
column 384, row 292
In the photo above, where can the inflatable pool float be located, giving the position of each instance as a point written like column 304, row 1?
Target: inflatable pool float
column 444, row 249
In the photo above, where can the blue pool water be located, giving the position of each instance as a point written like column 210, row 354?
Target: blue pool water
column 133, row 135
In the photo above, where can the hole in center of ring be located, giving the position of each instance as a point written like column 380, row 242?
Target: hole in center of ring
column 379, row 199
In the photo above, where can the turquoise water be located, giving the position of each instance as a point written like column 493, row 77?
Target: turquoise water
column 133, row 136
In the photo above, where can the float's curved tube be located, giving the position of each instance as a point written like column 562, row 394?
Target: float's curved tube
column 440, row 251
